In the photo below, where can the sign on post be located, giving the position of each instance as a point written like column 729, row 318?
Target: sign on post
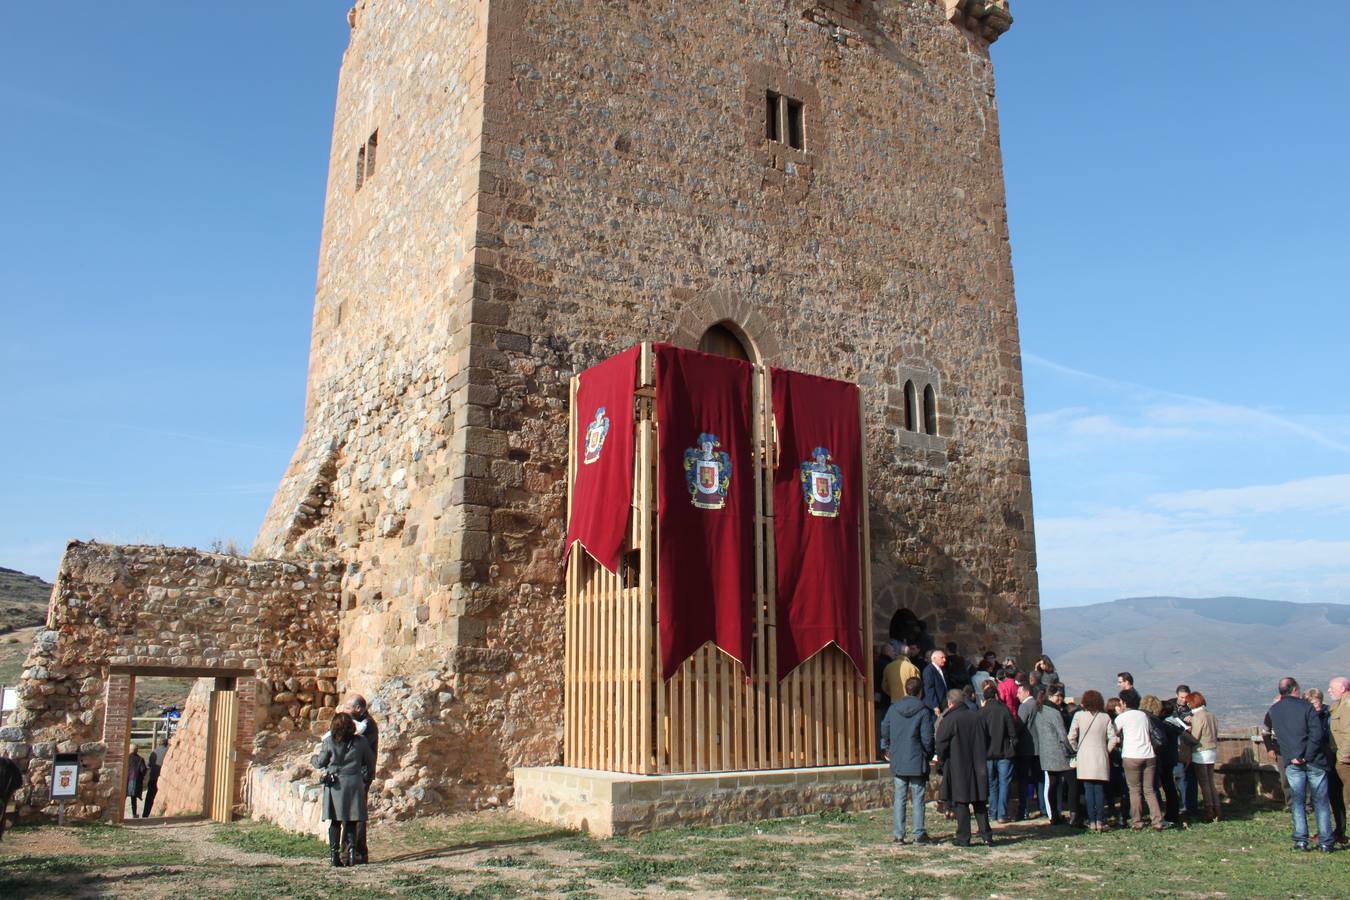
column 65, row 776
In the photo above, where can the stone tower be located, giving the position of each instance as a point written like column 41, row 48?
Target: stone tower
column 520, row 189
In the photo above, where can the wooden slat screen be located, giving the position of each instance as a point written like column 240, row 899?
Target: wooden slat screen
column 224, row 722
column 620, row 716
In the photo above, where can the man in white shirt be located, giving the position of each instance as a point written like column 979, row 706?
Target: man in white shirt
column 1136, row 752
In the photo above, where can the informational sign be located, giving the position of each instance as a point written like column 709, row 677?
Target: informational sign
column 65, row 776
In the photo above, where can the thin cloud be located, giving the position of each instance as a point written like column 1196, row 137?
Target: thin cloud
column 1192, row 410
column 1328, row 492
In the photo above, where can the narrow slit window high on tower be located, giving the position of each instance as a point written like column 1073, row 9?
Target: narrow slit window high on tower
column 911, row 404
column 371, row 145
column 796, row 132
column 773, row 116
column 360, row 166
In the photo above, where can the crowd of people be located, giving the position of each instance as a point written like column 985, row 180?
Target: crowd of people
column 1011, row 744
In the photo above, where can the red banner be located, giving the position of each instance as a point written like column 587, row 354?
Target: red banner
column 705, row 515
column 817, row 501
column 603, row 489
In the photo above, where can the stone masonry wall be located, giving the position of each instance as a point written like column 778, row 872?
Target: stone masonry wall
column 172, row 611
column 182, row 782
column 557, row 181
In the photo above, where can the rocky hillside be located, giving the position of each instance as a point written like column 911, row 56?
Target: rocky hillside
column 1235, row 649
column 23, row 600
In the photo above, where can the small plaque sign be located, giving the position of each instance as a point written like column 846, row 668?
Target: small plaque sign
column 65, row 776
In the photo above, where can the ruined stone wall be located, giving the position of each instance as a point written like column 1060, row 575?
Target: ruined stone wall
column 380, row 476
column 557, row 181
column 169, row 611
column 182, row 781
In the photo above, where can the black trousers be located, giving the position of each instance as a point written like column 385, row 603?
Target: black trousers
column 1337, row 791
column 1073, row 795
column 150, row 792
column 1172, row 800
column 962, row 811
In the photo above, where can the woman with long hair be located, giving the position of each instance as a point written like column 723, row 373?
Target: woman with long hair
column 1043, row 674
column 348, row 765
column 1205, row 743
column 1092, row 735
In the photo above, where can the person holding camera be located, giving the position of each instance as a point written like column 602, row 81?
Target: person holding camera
column 348, row 765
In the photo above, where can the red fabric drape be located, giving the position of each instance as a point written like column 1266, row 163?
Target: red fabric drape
column 603, row 489
column 817, row 503
column 705, row 516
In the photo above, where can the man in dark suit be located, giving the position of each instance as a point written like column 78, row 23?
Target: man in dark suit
column 935, row 682
column 962, row 751
column 366, row 727
column 156, row 763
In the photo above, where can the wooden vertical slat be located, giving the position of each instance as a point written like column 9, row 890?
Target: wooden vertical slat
column 865, row 551
column 724, row 665
column 570, row 654
column 781, row 714
column 759, row 695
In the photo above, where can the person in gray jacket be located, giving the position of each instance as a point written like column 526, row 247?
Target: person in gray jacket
column 1052, row 747
column 907, row 741
column 348, row 766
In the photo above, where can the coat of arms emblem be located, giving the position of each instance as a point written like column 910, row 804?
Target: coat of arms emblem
column 707, row 472
column 596, row 433
column 822, row 484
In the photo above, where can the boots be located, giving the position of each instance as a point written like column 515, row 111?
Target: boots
column 349, row 843
column 334, row 855
column 360, row 855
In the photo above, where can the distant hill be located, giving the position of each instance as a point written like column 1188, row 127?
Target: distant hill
column 23, row 600
column 1235, row 649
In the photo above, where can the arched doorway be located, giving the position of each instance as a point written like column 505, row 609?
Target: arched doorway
column 725, row 339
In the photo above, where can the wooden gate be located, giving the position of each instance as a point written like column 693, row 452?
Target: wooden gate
column 620, row 716
column 220, row 768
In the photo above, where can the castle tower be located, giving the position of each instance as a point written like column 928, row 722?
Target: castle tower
column 518, row 190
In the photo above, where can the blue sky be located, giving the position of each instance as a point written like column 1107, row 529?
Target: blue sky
column 1177, row 202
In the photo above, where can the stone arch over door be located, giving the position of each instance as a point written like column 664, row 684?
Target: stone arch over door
column 701, row 311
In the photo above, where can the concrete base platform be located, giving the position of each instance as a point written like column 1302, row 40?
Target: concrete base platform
column 609, row 803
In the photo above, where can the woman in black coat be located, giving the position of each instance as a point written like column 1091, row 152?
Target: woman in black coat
column 136, row 769
column 348, row 766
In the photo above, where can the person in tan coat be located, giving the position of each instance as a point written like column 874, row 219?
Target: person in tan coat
column 1092, row 737
column 1338, row 692
column 898, row 673
column 1204, row 741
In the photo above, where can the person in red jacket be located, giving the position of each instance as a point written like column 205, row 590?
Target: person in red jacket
column 1007, row 689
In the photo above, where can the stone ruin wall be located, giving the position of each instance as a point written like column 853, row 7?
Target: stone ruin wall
column 163, row 610
column 182, row 781
column 381, row 473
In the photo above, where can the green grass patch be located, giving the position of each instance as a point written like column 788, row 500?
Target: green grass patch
column 264, row 837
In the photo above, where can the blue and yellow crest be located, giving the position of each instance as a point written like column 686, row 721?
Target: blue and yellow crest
column 822, row 484
column 596, row 433
column 707, row 472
